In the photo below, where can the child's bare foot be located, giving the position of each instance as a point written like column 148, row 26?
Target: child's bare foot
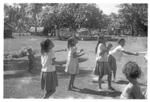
column 74, row 87
column 69, row 88
column 111, row 88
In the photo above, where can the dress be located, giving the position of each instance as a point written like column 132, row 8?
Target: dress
column 102, row 66
column 48, row 72
column 72, row 65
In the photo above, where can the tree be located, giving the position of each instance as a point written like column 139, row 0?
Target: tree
column 73, row 16
column 33, row 10
column 135, row 15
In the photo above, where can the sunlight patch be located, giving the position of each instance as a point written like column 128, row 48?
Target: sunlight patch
column 26, row 80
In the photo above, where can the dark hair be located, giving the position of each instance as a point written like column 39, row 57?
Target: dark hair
column 45, row 46
column 132, row 70
column 71, row 42
column 100, row 40
column 120, row 40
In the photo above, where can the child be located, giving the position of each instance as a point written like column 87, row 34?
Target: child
column 116, row 55
column 102, row 65
column 49, row 80
column 111, row 61
column 72, row 65
column 132, row 91
column 31, row 59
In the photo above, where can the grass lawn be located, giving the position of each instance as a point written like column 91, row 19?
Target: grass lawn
column 18, row 83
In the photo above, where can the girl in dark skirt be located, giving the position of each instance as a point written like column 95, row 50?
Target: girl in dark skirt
column 102, row 65
column 49, row 80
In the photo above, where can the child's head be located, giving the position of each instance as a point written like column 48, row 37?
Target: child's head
column 109, row 46
column 46, row 46
column 101, row 39
column 72, row 42
column 29, row 50
column 121, row 42
column 132, row 70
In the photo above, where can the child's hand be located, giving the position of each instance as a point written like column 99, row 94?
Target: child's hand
column 81, row 50
column 136, row 54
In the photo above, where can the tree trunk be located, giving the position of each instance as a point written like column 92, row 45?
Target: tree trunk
column 132, row 29
column 57, row 32
column 35, row 24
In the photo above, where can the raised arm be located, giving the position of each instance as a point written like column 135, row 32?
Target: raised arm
column 130, row 53
column 75, row 54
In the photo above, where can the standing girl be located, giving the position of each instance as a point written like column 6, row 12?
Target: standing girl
column 102, row 65
column 72, row 65
column 116, row 55
column 48, row 72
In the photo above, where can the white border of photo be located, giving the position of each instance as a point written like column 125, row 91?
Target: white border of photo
column 63, row 1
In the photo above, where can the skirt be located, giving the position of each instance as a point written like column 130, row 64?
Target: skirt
column 102, row 68
column 112, row 63
column 49, row 81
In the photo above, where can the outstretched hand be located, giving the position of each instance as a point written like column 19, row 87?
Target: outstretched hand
column 136, row 54
column 81, row 50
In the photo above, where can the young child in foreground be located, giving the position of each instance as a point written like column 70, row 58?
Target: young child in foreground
column 49, row 80
column 132, row 91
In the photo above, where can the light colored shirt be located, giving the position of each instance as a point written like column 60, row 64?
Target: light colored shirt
column 46, row 61
column 132, row 92
column 101, row 58
column 117, row 52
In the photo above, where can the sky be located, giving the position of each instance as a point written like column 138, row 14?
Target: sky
column 108, row 8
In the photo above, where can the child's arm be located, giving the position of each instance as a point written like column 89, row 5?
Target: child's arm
column 54, row 62
column 130, row 53
column 75, row 55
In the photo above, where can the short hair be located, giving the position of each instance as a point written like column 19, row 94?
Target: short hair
column 45, row 45
column 120, row 40
column 132, row 70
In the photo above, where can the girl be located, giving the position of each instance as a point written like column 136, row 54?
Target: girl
column 102, row 65
column 132, row 91
column 116, row 55
column 72, row 65
column 49, row 80
column 111, row 61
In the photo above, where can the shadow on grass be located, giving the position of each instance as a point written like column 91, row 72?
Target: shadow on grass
column 122, row 82
column 62, row 74
column 79, row 59
column 126, row 82
column 101, row 93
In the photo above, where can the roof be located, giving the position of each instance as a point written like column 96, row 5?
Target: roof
column 39, row 29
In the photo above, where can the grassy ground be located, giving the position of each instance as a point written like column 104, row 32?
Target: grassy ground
column 18, row 83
